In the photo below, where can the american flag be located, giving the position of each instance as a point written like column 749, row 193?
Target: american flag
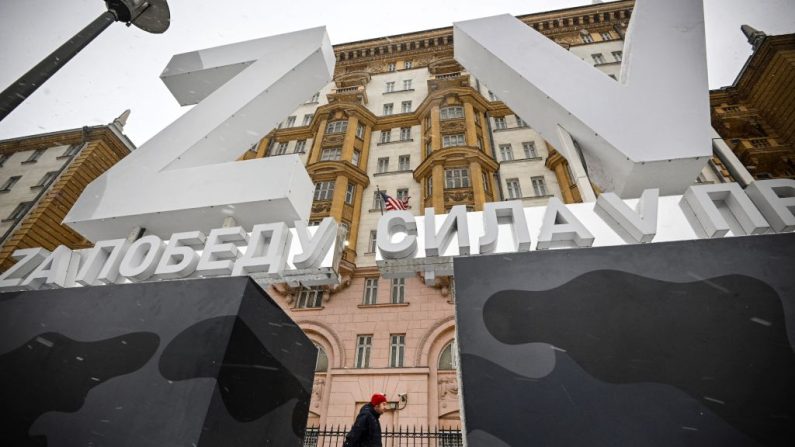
column 393, row 204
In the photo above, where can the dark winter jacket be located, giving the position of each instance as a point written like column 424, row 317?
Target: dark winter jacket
column 366, row 431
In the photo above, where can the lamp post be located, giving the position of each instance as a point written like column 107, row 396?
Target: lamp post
column 149, row 15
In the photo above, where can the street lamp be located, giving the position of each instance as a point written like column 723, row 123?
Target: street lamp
column 149, row 15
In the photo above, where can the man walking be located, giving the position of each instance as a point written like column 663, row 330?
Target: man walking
column 366, row 431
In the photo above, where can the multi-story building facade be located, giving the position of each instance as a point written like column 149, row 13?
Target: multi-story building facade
column 403, row 117
column 755, row 116
column 42, row 176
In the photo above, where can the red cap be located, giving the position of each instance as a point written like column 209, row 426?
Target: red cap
column 377, row 399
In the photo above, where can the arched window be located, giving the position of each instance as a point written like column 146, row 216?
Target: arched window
column 322, row 360
column 448, row 359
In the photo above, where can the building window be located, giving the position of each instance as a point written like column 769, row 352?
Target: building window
column 429, row 186
column 363, row 345
column 315, row 98
column 453, row 140
column 290, row 121
column 370, row 288
column 388, row 108
column 405, row 133
column 372, row 242
column 280, row 149
column 451, row 112
column 330, row 153
column 350, row 193
column 456, row 178
column 359, row 131
column 448, row 359
column 48, row 177
column 10, row 183
column 321, row 364
column 390, row 87
column 499, row 123
column 539, row 186
column 308, row 119
column 407, row 84
column 618, row 55
column 397, row 348
column 403, row 163
column 606, row 35
column 386, row 136
column 506, row 152
column 520, row 122
column 337, row 126
column 383, row 164
column 586, row 37
column 408, row 64
column 427, row 122
column 398, row 290
column 514, row 191
column 378, row 201
column 309, row 298
column 70, row 151
column 760, row 142
column 428, row 149
column 18, row 212
column 405, row 107
column 486, row 182
column 355, row 157
column 300, row 147
column 530, row 149
column 34, row 156
column 402, row 193
column 390, row 66
column 3, row 158
column 314, row 223
column 598, row 58
column 324, row 190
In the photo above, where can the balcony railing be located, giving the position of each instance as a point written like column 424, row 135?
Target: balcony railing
column 390, row 437
column 448, row 76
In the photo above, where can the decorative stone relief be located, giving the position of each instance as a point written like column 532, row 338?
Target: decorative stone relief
column 448, row 390
column 317, row 391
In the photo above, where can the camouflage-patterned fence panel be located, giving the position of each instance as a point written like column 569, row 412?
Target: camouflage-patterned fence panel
column 206, row 362
column 671, row 344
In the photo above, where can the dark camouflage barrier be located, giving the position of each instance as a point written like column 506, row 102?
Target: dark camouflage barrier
column 206, row 362
column 671, row 344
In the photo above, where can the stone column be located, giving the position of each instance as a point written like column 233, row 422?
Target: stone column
column 438, row 189
column 314, row 155
column 350, row 137
column 476, row 177
column 469, row 118
column 338, row 198
column 436, row 130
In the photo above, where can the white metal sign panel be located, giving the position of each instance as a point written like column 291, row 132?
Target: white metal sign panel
column 185, row 177
column 651, row 129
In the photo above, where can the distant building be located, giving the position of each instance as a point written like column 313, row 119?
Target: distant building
column 755, row 115
column 41, row 177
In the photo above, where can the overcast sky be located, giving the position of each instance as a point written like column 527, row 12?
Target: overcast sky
column 120, row 69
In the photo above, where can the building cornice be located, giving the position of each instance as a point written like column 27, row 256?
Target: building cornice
column 551, row 23
column 450, row 155
column 71, row 136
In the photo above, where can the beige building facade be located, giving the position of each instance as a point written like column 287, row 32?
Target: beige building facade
column 403, row 117
column 41, row 177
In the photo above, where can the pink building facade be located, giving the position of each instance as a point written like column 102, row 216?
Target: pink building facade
column 409, row 353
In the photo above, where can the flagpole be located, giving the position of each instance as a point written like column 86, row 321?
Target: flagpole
column 380, row 199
